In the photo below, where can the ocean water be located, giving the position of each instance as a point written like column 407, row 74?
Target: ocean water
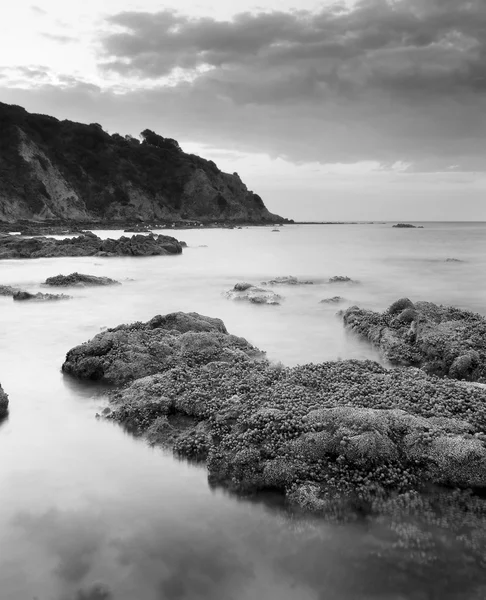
column 87, row 512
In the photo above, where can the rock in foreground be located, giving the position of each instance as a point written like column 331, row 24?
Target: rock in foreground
column 129, row 352
column 79, row 279
column 88, row 244
column 3, row 403
column 251, row 293
column 443, row 341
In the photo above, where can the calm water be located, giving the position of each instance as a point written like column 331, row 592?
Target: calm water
column 82, row 503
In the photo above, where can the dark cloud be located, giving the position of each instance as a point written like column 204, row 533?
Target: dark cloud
column 387, row 81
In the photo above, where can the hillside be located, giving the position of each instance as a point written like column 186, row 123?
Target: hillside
column 61, row 170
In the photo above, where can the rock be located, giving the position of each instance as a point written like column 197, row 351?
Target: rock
column 3, row 403
column 79, row 279
column 341, row 279
column 253, row 294
column 39, row 297
column 275, row 230
column 287, row 281
column 333, row 300
column 7, row 290
column 443, row 341
column 407, row 226
column 132, row 351
column 88, row 244
column 453, row 260
column 343, row 439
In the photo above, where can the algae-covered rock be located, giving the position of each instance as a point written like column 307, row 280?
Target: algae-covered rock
column 132, row 351
column 441, row 340
column 79, row 279
column 3, row 403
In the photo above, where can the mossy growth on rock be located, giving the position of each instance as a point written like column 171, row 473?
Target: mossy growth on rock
column 443, row 341
column 347, row 439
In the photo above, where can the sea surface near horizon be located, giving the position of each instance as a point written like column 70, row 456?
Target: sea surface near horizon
column 84, row 504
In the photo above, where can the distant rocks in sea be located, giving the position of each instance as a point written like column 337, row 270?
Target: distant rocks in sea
column 407, row 226
column 287, row 280
column 79, row 280
column 454, row 260
column 342, row 279
column 275, row 230
column 39, row 297
column 333, row 300
column 19, row 294
column 3, row 403
column 443, row 341
column 338, row 438
column 88, row 244
column 253, row 294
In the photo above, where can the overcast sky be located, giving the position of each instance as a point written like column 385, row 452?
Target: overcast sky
column 336, row 111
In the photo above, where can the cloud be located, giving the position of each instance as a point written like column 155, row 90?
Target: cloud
column 38, row 11
column 62, row 39
column 386, row 81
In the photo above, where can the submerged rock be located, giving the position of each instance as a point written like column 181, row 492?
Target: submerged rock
column 333, row 300
column 3, row 403
column 251, row 293
column 79, row 279
column 341, row 279
column 287, row 281
column 39, row 297
column 131, row 351
column 88, row 244
column 444, row 341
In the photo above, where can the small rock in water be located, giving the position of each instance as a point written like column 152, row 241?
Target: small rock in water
column 333, row 300
column 253, row 294
column 79, row 279
column 454, row 260
column 288, row 280
column 341, row 279
column 39, row 297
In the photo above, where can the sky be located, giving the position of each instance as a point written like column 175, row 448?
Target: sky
column 331, row 111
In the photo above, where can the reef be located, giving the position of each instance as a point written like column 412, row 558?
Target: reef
column 3, row 403
column 80, row 280
column 254, row 294
column 88, row 244
column 443, row 341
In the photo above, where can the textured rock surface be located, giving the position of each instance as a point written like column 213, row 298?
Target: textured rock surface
column 3, row 403
column 132, row 351
column 88, row 244
column 287, row 281
column 441, row 340
column 251, row 293
column 333, row 300
column 52, row 169
column 79, row 279
column 39, row 297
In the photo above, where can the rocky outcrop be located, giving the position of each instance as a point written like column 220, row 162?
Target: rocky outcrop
column 333, row 300
column 60, row 170
column 407, row 226
column 8, row 290
column 251, row 293
column 341, row 279
column 132, row 351
column 39, row 297
column 88, row 244
column 441, row 340
column 289, row 280
column 79, row 280
column 3, row 403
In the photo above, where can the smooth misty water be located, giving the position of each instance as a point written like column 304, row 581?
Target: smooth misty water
column 82, row 502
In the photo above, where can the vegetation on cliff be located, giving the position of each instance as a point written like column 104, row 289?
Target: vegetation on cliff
column 72, row 171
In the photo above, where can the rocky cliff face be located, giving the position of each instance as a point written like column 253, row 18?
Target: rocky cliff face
column 60, row 170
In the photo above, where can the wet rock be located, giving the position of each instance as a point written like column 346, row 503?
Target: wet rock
column 39, row 297
column 3, row 403
column 7, row 290
column 444, row 341
column 251, row 293
column 79, row 279
column 88, row 244
column 333, row 300
column 341, row 279
column 287, row 281
column 132, row 351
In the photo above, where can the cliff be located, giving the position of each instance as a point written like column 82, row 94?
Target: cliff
column 61, row 170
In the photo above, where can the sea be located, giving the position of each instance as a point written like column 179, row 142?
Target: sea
column 89, row 512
